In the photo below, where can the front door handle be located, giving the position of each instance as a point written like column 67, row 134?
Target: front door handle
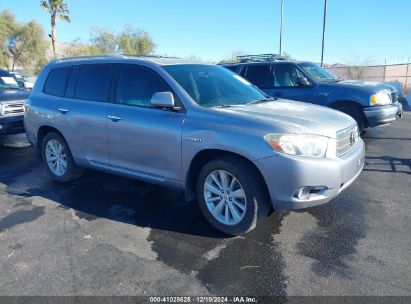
column 114, row 117
column 63, row 110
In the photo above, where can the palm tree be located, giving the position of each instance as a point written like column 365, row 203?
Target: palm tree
column 57, row 9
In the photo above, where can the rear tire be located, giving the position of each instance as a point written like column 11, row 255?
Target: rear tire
column 233, row 204
column 357, row 115
column 58, row 159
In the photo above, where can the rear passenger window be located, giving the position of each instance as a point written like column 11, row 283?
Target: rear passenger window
column 259, row 75
column 136, row 85
column 56, row 81
column 93, row 82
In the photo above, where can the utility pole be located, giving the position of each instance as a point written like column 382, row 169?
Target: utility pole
column 281, row 26
column 324, row 19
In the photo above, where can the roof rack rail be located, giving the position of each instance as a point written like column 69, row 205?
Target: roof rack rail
column 99, row 56
column 260, row 58
column 149, row 56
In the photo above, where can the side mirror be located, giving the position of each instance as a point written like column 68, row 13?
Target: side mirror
column 163, row 100
column 303, row 82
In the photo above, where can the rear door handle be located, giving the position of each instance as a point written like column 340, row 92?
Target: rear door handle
column 64, row 110
column 114, row 117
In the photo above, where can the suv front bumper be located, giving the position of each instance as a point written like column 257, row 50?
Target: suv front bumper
column 285, row 175
column 11, row 125
column 382, row 115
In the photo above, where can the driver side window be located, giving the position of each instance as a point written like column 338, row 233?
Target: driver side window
column 286, row 75
column 136, row 85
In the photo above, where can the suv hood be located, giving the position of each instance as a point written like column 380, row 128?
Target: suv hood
column 293, row 117
column 13, row 94
column 366, row 86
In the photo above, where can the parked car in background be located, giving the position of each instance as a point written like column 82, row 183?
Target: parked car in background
column 369, row 103
column 22, row 81
column 199, row 128
column 12, row 99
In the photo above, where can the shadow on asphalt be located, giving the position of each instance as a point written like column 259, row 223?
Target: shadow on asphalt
column 388, row 164
column 253, row 263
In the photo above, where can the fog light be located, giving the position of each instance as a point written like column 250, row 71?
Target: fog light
column 303, row 193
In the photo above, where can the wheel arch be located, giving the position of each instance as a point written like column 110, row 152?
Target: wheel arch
column 349, row 103
column 203, row 157
column 345, row 103
column 43, row 131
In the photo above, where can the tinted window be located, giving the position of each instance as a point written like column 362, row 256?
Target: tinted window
column 56, row 81
column 136, row 85
column 285, row 75
column 259, row 75
column 93, row 82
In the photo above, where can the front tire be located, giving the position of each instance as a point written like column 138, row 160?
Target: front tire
column 58, row 159
column 230, row 196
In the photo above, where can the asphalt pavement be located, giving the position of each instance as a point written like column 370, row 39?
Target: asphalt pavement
column 107, row 235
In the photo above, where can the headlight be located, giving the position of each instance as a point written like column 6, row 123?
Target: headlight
column 381, row 98
column 298, row 144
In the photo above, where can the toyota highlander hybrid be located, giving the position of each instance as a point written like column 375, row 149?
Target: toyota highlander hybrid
column 199, row 128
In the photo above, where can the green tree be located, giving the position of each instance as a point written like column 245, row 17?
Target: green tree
column 78, row 48
column 130, row 41
column 57, row 10
column 134, row 41
column 8, row 29
column 27, row 46
column 104, row 41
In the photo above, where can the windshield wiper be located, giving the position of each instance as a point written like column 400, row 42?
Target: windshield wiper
column 223, row 106
column 334, row 80
column 260, row 100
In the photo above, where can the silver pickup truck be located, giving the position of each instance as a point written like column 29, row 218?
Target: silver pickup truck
column 198, row 128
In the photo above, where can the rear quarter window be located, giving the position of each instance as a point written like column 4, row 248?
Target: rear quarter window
column 56, row 81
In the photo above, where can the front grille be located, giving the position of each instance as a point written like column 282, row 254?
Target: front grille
column 12, row 108
column 346, row 140
column 394, row 97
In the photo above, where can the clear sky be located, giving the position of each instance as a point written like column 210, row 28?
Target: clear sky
column 212, row 29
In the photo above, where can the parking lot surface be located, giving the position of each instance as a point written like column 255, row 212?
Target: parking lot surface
column 107, row 235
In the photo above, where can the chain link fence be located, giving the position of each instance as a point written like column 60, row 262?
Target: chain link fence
column 381, row 73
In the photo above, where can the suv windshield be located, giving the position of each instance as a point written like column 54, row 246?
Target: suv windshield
column 317, row 73
column 212, row 86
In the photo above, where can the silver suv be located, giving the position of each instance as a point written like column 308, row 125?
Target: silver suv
column 198, row 128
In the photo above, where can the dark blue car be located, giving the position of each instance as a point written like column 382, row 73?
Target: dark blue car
column 369, row 103
column 12, row 99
